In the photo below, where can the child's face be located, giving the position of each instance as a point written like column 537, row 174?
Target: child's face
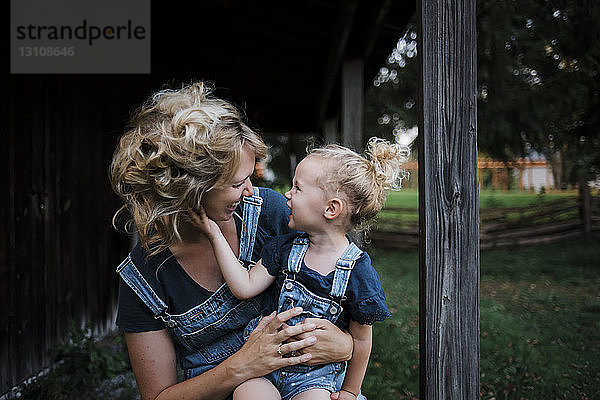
column 306, row 199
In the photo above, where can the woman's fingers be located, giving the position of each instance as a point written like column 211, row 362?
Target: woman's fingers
column 297, row 345
column 281, row 318
column 288, row 361
column 332, row 343
column 265, row 321
column 298, row 329
column 267, row 345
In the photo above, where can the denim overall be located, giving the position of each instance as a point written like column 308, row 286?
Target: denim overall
column 213, row 330
column 298, row 378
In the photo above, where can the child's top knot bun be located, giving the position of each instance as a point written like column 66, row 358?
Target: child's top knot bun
column 386, row 160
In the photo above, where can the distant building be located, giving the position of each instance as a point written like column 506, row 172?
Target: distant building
column 523, row 174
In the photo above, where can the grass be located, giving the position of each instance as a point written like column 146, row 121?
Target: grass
column 401, row 208
column 409, row 198
column 540, row 320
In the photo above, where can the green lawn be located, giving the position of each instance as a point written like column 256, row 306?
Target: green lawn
column 540, row 320
column 408, row 198
column 401, row 208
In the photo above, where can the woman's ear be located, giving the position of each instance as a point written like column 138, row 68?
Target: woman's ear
column 335, row 208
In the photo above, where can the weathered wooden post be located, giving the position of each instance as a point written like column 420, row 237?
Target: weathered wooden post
column 448, row 201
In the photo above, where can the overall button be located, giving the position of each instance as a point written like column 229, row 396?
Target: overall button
column 289, row 285
column 171, row 323
column 333, row 310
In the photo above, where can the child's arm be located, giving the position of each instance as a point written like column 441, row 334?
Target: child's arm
column 357, row 366
column 242, row 283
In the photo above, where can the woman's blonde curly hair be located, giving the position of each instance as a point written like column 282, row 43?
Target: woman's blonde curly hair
column 180, row 144
column 365, row 181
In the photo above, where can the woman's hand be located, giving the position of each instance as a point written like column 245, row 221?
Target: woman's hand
column 264, row 350
column 332, row 345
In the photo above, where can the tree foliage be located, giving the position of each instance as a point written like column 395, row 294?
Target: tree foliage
column 538, row 82
column 391, row 100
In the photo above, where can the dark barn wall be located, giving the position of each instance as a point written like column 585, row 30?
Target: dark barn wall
column 59, row 250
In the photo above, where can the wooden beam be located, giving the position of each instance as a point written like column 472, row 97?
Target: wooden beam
column 330, row 130
column 448, row 201
column 353, row 93
column 336, row 53
column 376, row 27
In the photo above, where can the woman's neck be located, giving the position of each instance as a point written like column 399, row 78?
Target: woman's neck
column 190, row 234
column 196, row 256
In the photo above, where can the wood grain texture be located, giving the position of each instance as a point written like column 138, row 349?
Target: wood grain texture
column 58, row 251
column 448, row 201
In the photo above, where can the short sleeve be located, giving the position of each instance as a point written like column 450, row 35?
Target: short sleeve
column 270, row 256
column 275, row 253
column 133, row 315
column 171, row 284
column 371, row 310
column 366, row 298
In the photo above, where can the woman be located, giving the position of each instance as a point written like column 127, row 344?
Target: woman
column 184, row 149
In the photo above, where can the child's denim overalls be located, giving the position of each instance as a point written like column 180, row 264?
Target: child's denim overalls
column 298, row 378
column 212, row 331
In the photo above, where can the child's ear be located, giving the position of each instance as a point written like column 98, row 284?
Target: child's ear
column 334, row 209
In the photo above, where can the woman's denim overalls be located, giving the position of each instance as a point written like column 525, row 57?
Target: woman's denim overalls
column 213, row 330
column 298, row 378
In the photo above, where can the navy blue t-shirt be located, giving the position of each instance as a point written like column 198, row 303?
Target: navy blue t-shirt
column 365, row 300
column 174, row 286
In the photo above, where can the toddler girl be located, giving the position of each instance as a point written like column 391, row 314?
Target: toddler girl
column 334, row 191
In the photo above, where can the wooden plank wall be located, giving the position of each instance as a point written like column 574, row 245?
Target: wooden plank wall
column 448, row 201
column 58, row 249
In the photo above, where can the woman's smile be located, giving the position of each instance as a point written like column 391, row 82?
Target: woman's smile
column 231, row 207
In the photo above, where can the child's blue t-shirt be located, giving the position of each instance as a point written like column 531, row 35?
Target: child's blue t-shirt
column 365, row 300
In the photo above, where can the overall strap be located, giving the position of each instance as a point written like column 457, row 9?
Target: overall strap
column 343, row 269
column 299, row 247
column 135, row 280
column 251, row 208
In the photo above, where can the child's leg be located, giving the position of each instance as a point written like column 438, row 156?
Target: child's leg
column 257, row 388
column 313, row 394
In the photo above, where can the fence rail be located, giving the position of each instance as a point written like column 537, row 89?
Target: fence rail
column 539, row 223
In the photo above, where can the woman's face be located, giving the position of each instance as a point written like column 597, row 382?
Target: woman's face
column 221, row 201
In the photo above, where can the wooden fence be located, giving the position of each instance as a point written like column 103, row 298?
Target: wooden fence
column 543, row 222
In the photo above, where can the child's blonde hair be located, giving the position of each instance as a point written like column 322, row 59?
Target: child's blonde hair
column 365, row 181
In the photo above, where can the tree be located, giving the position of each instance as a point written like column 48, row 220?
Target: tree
column 391, row 100
column 539, row 84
